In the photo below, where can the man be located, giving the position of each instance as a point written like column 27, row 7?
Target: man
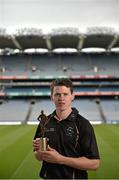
column 72, row 147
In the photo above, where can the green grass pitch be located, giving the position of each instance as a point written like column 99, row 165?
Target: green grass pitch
column 17, row 159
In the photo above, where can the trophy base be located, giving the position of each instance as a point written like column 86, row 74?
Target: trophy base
column 43, row 143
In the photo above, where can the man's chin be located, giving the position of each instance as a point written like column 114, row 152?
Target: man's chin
column 61, row 108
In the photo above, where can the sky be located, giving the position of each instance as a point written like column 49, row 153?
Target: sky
column 48, row 14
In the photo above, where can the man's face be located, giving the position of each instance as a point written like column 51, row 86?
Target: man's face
column 62, row 97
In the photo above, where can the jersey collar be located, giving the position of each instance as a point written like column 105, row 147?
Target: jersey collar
column 71, row 116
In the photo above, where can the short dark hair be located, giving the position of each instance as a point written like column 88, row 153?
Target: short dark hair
column 62, row 82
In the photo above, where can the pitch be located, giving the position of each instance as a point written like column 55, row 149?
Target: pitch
column 17, row 160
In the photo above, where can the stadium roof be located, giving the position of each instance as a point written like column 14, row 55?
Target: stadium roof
column 67, row 37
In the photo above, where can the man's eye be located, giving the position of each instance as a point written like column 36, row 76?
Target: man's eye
column 65, row 94
column 57, row 94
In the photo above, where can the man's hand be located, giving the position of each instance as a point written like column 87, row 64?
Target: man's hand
column 36, row 148
column 51, row 156
column 36, row 144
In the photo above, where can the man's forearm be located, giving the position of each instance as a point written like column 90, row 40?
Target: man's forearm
column 82, row 163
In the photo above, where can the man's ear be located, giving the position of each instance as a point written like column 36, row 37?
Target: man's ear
column 73, row 96
column 51, row 97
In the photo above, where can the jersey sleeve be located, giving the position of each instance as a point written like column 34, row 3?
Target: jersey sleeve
column 88, row 142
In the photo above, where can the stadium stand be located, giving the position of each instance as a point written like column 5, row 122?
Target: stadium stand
column 42, row 104
column 60, row 64
column 89, row 109
column 25, row 76
column 13, row 111
column 111, row 111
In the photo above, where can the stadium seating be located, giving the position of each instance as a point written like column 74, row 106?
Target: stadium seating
column 111, row 110
column 13, row 112
column 26, row 74
column 60, row 65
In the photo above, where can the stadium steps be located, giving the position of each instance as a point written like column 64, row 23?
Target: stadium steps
column 103, row 118
column 29, row 112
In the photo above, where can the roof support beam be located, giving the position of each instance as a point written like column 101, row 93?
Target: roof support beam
column 81, row 42
column 16, row 43
column 48, row 42
column 116, row 37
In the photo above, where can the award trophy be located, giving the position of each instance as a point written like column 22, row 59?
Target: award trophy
column 43, row 121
